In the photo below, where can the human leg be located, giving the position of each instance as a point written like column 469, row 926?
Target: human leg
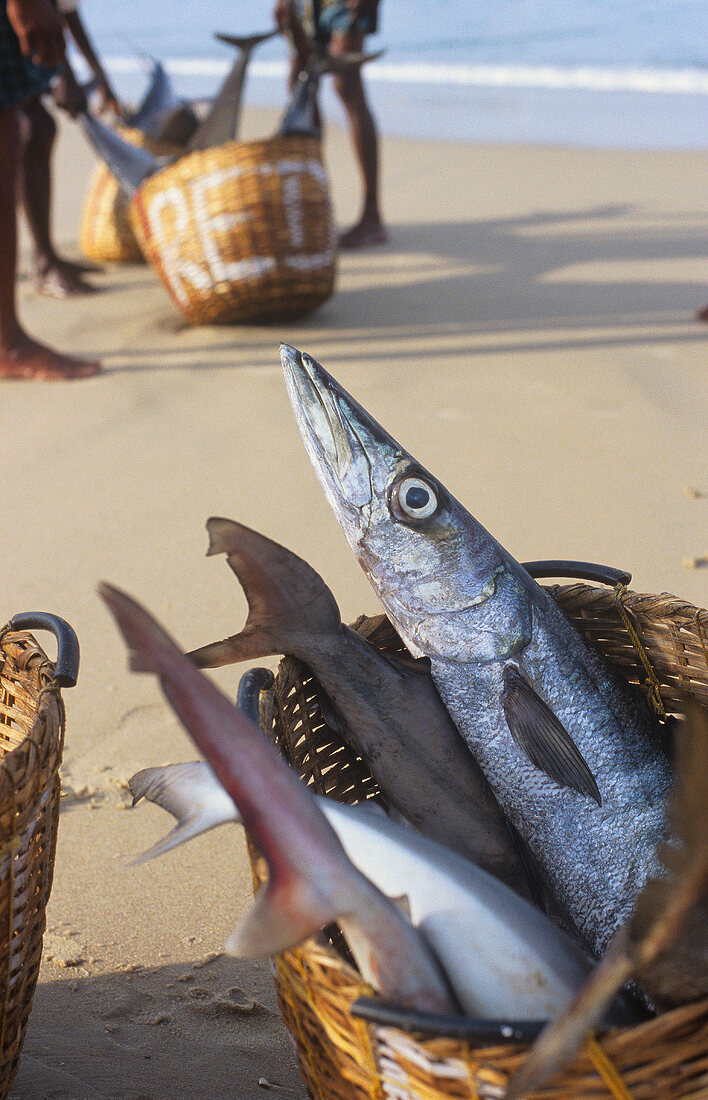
column 53, row 276
column 20, row 355
column 369, row 229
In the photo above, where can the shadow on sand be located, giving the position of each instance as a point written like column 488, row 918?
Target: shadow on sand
column 586, row 278
column 163, row 1033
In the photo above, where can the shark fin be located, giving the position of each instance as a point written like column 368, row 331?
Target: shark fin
column 541, row 737
column 283, row 915
column 191, row 793
column 246, row 42
column 248, row 645
column 288, row 601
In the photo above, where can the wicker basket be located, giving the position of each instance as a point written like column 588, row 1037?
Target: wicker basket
column 655, row 641
column 31, row 743
column 241, row 232
column 106, row 235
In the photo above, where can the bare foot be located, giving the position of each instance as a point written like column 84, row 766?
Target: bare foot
column 702, row 313
column 367, row 232
column 34, row 362
column 61, row 280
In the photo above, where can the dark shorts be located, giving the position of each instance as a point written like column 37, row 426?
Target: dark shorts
column 20, row 78
column 321, row 20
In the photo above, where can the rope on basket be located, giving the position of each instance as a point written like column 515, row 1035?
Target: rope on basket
column 654, row 689
column 606, row 1070
column 699, row 632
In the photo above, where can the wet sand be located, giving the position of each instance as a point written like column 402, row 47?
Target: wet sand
column 528, row 334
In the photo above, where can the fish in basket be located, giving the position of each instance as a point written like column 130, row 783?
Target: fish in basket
column 106, row 235
column 31, row 744
column 606, row 880
column 322, row 996
column 241, row 231
column 166, row 127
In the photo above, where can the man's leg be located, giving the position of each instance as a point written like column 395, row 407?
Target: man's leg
column 20, row 355
column 350, row 88
column 53, row 276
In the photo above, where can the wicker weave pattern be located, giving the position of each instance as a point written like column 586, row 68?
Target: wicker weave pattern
column 31, row 743
column 106, row 235
column 241, row 232
column 341, row 1057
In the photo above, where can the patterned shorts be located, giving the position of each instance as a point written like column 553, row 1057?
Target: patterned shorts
column 323, row 18
column 20, row 78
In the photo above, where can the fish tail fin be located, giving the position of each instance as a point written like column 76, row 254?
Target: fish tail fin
column 246, row 42
column 191, row 793
column 283, row 915
column 345, row 63
column 248, row 645
column 150, row 647
column 288, row 601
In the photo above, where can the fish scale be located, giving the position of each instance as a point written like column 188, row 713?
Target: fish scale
column 575, row 760
column 575, row 840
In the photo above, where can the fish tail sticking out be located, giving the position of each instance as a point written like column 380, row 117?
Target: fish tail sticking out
column 191, row 793
column 283, row 819
column 286, row 597
column 246, row 42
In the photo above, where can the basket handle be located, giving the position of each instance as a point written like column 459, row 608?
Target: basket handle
column 250, row 686
column 67, row 662
column 580, row 570
column 377, row 1011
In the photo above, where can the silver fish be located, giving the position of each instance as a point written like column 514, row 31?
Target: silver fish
column 504, row 958
column 312, row 882
column 221, row 122
column 300, row 115
column 388, row 711
column 130, row 165
column 665, row 943
column 575, row 761
column 157, row 103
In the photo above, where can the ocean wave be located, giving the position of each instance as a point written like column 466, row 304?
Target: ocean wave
column 559, row 78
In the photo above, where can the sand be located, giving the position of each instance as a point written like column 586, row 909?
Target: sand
column 528, row 335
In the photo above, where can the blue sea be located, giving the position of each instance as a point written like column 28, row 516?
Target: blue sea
column 608, row 73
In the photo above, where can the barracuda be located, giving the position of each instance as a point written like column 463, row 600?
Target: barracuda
column 575, row 760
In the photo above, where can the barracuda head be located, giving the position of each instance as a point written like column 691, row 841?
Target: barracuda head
column 450, row 589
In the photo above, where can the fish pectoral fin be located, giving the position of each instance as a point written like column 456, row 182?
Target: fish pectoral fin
column 281, row 917
column 541, row 737
column 249, row 645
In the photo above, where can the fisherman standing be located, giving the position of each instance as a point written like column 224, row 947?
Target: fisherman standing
column 339, row 27
column 55, row 276
column 31, row 46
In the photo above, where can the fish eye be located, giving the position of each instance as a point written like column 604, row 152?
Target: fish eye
column 416, row 498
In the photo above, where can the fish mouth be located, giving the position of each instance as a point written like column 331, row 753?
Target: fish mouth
column 337, row 432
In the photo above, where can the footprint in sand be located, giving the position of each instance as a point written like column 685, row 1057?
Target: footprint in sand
column 226, row 1002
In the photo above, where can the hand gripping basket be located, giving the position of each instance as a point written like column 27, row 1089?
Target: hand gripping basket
column 350, row 1045
column 241, row 232
column 106, row 235
column 31, row 743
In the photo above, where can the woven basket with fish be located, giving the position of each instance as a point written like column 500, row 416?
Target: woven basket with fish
column 242, row 231
column 106, row 235
column 31, row 743
column 582, row 801
column 658, row 642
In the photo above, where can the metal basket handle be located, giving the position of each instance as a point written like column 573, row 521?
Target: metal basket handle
column 580, row 570
column 67, row 662
column 377, row 1011
column 250, row 686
